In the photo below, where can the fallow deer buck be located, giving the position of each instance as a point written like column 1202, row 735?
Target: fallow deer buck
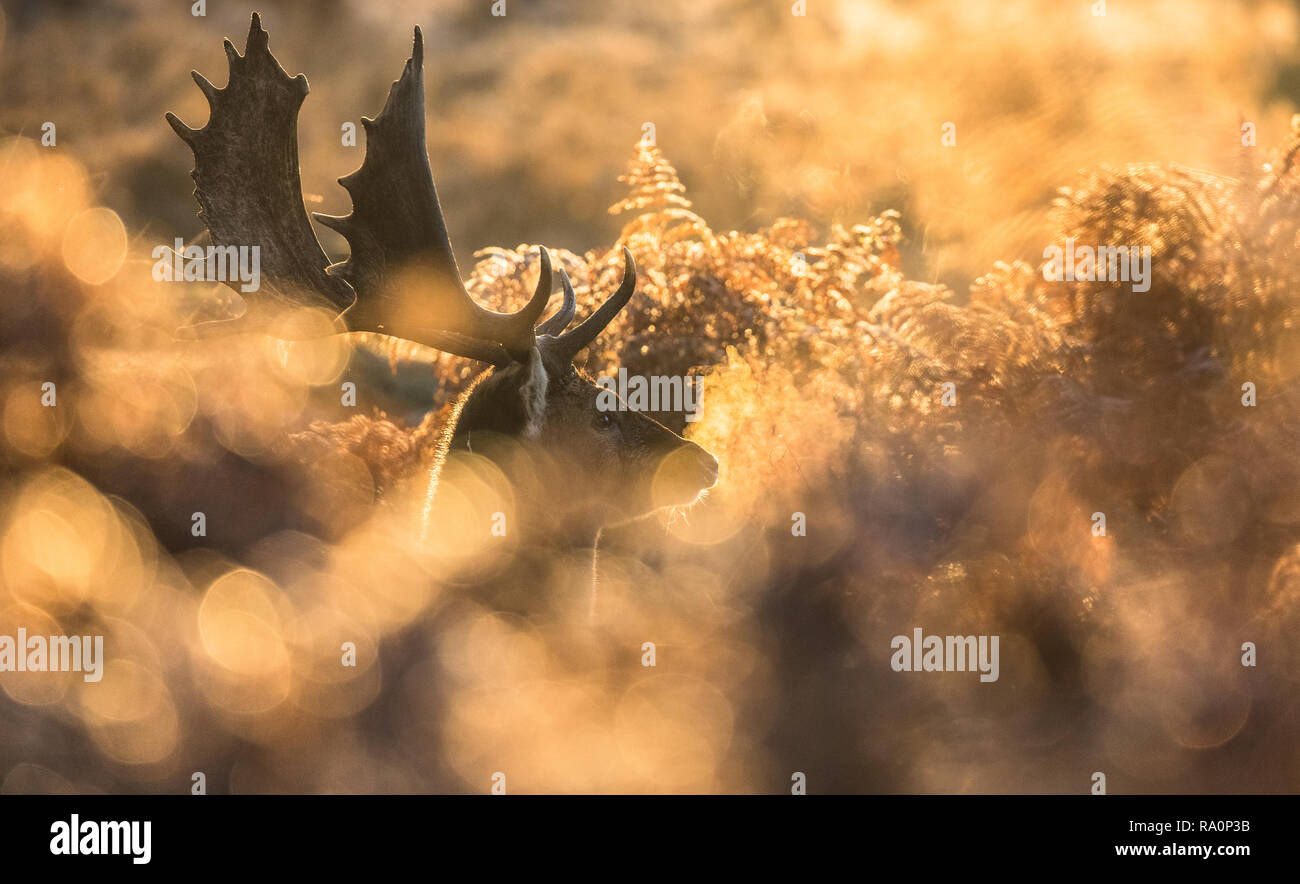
column 600, row 466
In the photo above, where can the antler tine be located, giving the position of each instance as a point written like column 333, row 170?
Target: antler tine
column 397, row 225
column 562, row 317
column 485, row 349
column 572, row 342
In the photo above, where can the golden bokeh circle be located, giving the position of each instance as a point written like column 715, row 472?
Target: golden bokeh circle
column 94, row 245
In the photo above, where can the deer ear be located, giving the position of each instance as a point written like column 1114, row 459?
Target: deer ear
column 510, row 400
column 532, row 393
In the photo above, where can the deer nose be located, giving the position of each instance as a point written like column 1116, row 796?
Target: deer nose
column 709, row 467
column 697, row 466
column 684, row 472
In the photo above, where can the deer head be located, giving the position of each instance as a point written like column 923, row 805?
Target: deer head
column 603, row 466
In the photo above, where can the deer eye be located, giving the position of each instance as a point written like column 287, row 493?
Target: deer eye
column 603, row 419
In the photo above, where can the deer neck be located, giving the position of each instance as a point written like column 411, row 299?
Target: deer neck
column 552, row 567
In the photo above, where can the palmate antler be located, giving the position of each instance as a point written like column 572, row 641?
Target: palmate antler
column 249, row 193
column 246, row 172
